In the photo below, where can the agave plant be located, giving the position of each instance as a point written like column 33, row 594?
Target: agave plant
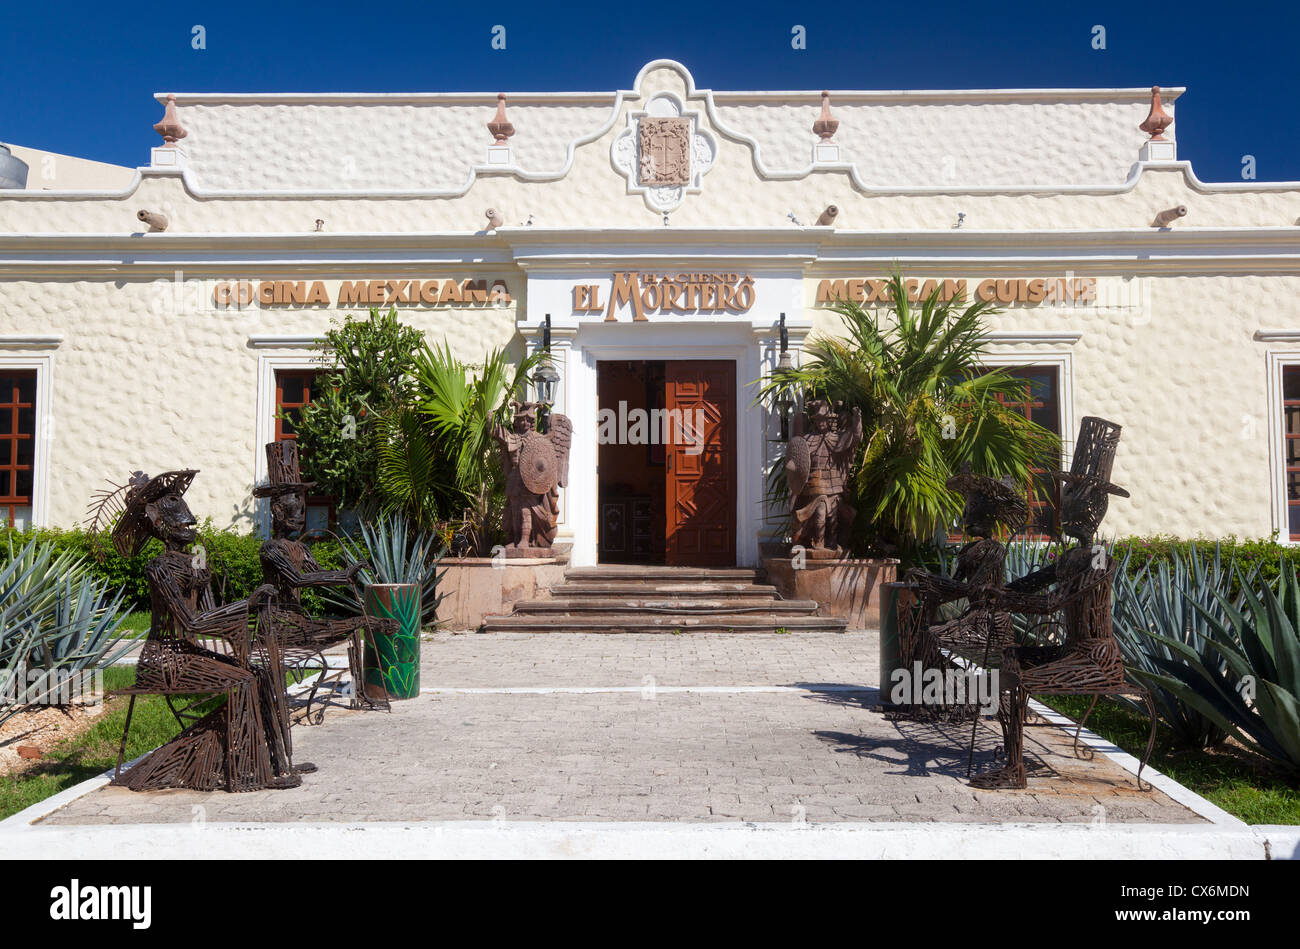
column 1251, row 688
column 28, row 591
column 1176, row 599
column 83, row 630
column 398, row 552
column 56, row 617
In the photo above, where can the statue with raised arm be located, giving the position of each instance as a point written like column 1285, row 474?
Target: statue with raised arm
column 194, row 647
column 818, row 464
column 1077, row 586
column 536, row 467
column 288, row 567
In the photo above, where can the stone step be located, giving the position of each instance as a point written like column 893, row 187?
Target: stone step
column 618, row 572
column 661, row 623
column 685, row 590
column 664, row 605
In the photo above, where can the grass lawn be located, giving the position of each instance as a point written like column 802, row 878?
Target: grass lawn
column 1239, row 781
column 86, row 755
column 136, row 624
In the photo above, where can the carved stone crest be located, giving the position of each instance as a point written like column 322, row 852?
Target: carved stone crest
column 665, row 151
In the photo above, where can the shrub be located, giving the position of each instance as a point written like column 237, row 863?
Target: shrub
column 1266, row 556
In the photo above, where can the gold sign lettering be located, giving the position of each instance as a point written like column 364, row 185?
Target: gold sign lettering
column 646, row 293
column 271, row 293
column 993, row 290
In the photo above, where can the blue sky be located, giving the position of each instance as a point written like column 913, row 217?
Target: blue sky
column 77, row 78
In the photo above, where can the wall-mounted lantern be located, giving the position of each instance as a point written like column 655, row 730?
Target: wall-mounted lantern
column 784, row 397
column 546, row 378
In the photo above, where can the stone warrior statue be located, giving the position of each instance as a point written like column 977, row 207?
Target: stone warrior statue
column 536, row 467
column 1088, row 661
column 243, row 744
column 288, row 566
column 817, row 468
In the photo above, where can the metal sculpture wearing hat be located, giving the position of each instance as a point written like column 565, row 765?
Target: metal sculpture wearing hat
column 243, row 744
column 288, row 567
column 817, row 467
column 1087, row 659
column 536, row 466
column 978, row 577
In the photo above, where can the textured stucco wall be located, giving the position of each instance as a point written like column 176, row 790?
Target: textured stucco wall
column 376, row 146
column 432, row 145
column 55, row 172
column 1180, row 369
column 1097, row 146
column 957, row 144
column 137, row 387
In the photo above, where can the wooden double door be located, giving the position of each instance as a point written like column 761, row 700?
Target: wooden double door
column 668, row 489
column 700, row 460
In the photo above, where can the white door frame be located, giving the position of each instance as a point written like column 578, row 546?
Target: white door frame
column 729, row 341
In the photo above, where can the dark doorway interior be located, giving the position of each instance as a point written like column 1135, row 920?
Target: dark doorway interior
column 631, row 475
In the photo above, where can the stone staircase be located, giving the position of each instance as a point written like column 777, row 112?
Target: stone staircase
column 637, row 599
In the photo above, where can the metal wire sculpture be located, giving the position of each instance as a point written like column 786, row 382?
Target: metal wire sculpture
column 288, row 567
column 1087, row 660
column 196, row 650
column 978, row 577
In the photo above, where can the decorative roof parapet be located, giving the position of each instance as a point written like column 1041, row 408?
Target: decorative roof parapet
column 1157, row 119
column 170, row 154
column 824, row 128
column 501, row 130
column 1157, row 147
column 169, row 127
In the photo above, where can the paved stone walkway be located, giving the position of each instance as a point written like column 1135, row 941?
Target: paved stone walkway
column 647, row 746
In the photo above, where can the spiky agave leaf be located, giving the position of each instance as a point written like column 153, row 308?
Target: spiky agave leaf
column 1253, row 692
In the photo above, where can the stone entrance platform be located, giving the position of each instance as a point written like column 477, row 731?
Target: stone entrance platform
column 695, row 729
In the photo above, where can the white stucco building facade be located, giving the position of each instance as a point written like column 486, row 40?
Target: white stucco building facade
column 127, row 349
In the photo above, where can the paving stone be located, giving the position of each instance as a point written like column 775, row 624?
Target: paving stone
column 683, row 756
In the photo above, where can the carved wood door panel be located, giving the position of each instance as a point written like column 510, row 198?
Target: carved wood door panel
column 701, row 462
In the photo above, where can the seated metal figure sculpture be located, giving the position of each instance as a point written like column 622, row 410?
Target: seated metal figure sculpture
column 536, row 466
column 1088, row 660
column 243, row 744
column 288, row 567
column 978, row 577
column 817, row 468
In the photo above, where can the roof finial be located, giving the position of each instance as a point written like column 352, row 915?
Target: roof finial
column 1157, row 119
column 500, row 126
column 170, row 126
column 826, row 123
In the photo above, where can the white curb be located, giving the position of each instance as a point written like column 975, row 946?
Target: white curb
column 501, row 839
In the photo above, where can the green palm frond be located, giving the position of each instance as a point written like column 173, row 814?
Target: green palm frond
column 928, row 408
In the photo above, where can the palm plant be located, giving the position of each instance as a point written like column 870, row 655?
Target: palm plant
column 441, row 456
column 928, row 408
column 1251, row 687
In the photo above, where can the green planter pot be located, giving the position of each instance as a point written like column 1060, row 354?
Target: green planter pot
column 894, row 596
column 391, row 668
